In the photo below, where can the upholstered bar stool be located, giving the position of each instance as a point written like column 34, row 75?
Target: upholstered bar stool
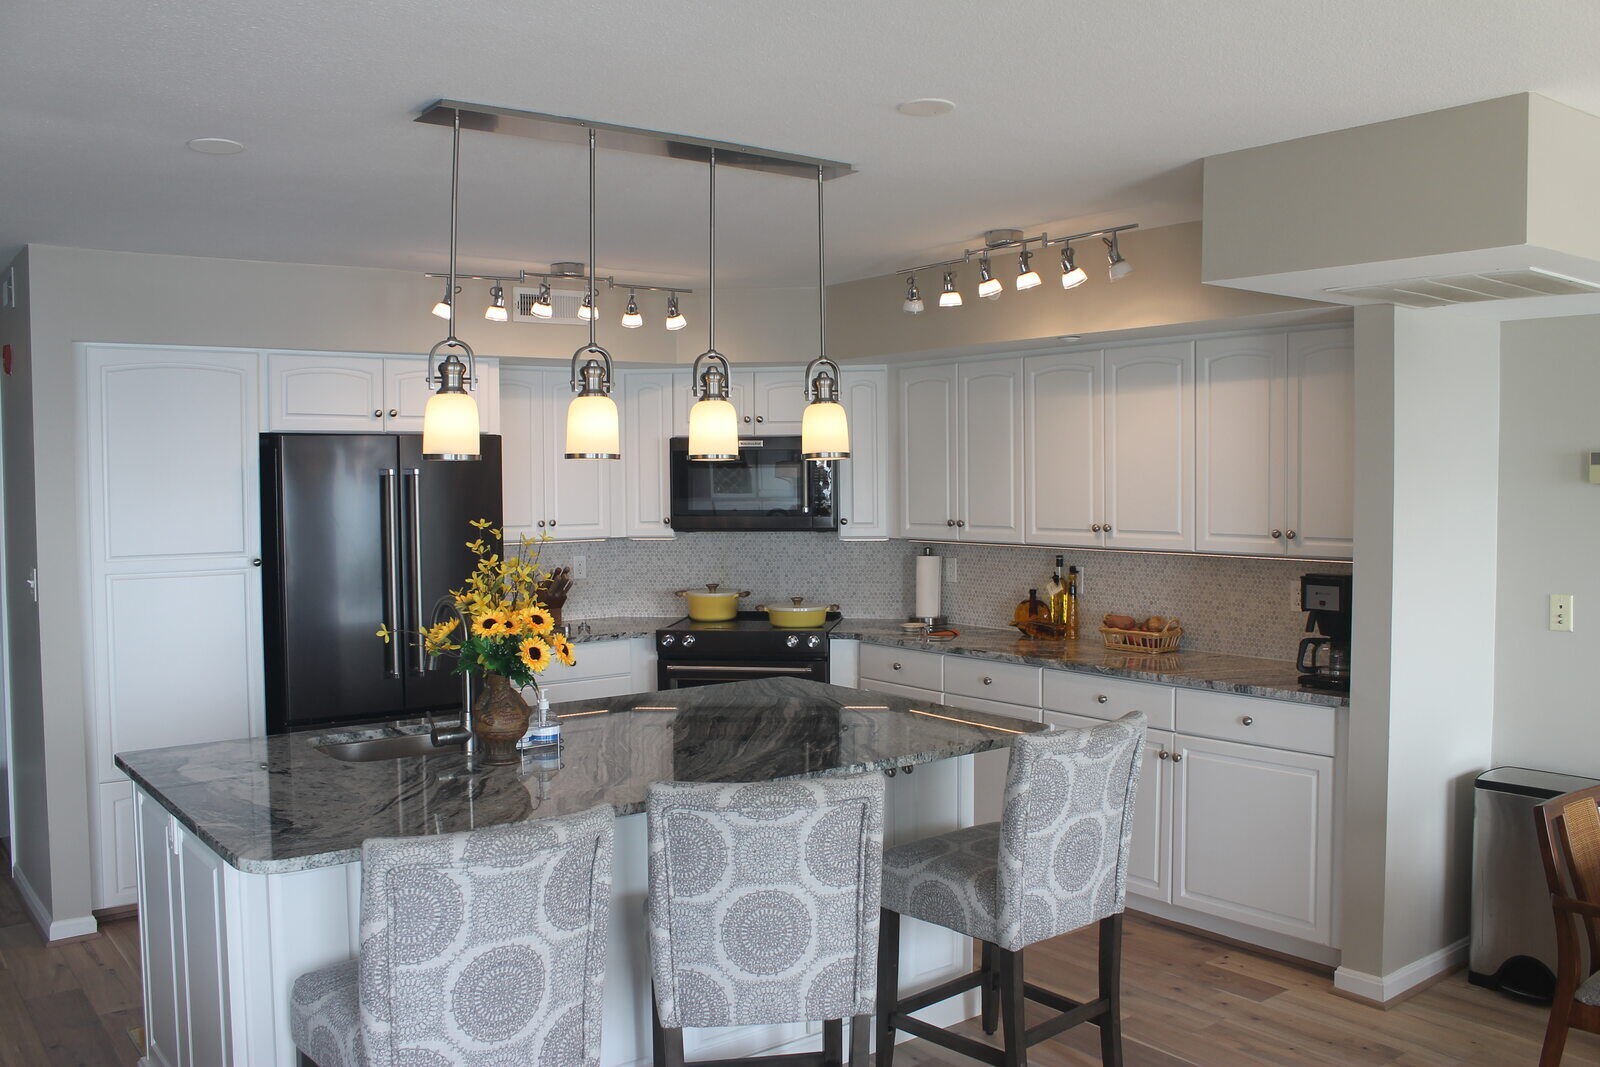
column 1055, row 862
column 763, row 909
column 477, row 948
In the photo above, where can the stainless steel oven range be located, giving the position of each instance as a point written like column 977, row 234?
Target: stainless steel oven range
column 749, row 646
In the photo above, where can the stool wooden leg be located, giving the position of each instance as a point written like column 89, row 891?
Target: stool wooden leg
column 991, row 1017
column 666, row 1045
column 1011, row 1002
column 833, row 1042
column 860, row 1036
column 1111, row 990
column 888, row 983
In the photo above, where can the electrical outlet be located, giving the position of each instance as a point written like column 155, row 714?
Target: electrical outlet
column 580, row 567
column 1561, row 612
column 952, row 569
column 1294, row 595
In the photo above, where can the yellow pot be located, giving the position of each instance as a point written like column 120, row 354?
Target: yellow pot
column 712, row 604
column 797, row 614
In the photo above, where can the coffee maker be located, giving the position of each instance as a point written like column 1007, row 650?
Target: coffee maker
column 1326, row 600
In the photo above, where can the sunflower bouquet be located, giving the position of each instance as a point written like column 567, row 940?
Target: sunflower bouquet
column 509, row 631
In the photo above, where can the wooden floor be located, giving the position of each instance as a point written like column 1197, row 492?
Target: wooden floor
column 1186, row 1001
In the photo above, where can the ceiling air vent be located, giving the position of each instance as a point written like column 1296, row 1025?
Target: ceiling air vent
column 1470, row 288
column 563, row 302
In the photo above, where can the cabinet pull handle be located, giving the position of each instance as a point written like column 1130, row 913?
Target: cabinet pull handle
column 667, row 521
column 961, row 522
column 988, row 680
column 949, row 522
column 541, row 524
column 747, row 418
column 897, row 666
column 1247, row 721
column 1106, row 528
column 255, row 563
column 844, row 522
column 1101, row 698
column 378, row 414
column 1276, row 534
column 1177, row 757
column 1163, row 754
column 552, row 522
column 1094, row 527
column 394, row 413
column 1290, row 535
column 759, row 418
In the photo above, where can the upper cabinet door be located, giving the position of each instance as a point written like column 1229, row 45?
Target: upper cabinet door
column 1240, row 441
column 1321, row 443
column 778, row 399
column 863, row 486
column 325, row 393
column 1063, row 450
column 405, row 394
column 647, row 399
column 524, row 403
column 1149, row 406
column 991, row 451
column 928, row 461
column 577, row 493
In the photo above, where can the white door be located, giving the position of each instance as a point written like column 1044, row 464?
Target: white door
column 1321, row 443
column 1063, row 449
column 647, row 399
column 1253, row 835
column 406, row 390
column 314, row 392
column 1239, row 443
column 863, row 486
column 204, row 942
column 928, row 452
column 116, row 846
column 1149, row 440
column 778, row 397
column 740, row 394
column 159, row 930
column 1150, row 861
column 577, row 496
column 990, row 451
column 523, row 405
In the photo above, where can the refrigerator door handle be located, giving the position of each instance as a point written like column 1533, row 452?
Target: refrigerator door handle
column 391, row 568
column 414, row 521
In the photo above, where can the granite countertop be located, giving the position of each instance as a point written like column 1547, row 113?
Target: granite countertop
column 273, row 804
column 1243, row 675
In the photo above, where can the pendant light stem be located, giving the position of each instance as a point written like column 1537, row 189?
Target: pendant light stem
column 455, row 187
column 594, row 309
column 711, row 289
column 822, row 291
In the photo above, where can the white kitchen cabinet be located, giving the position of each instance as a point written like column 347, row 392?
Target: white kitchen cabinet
column 1063, row 452
column 1241, row 442
column 545, row 493
column 863, row 481
column 1320, row 497
column 1149, row 441
column 648, row 400
column 777, row 400
column 929, row 446
column 990, row 439
column 406, row 393
column 117, row 869
column 313, row 392
column 1253, row 836
column 173, row 536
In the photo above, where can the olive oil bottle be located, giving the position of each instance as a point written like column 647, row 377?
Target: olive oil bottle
column 1057, row 593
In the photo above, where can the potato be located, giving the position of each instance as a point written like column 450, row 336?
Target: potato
column 1155, row 624
column 1122, row 622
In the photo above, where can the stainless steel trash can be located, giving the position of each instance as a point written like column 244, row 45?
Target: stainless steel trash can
column 1513, row 933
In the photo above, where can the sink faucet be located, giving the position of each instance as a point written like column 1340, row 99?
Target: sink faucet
column 458, row 733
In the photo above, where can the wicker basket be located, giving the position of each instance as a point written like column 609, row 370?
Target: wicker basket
column 1141, row 640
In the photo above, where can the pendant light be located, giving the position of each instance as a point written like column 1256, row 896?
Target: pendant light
column 593, row 425
column 713, row 422
column 450, row 421
column 824, row 427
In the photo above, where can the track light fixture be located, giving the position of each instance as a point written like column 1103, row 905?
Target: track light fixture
column 442, row 308
column 948, row 297
column 496, row 311
column 1072, row 275
column 913, row 304
column 1027, row 277
column 587, row 310
column 542, row 308
column 593, row 422
column 1119, row 267
column 675, row 319
column 450, row 419
column 630, row 315
column 989, row 286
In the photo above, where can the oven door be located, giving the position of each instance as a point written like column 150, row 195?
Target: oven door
column 769, row 487
column 679, row 674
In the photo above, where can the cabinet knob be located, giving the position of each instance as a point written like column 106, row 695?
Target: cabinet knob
column 394, row 413
column 1290, row 535
column 1247, row 721
column 1105, row 528
column 844, row 522
column 988, row 680
column 896, row 666
column 255, row 563
column 761, row 418
column 552, row 522
column 949, row 522
column 1094, row 527
column 961, row 522
column 667, row 521
column 1163, row 754
column 378, row 414
column 541, row 524
column 1276, row 534
column 1177, row 757
column 1101, row 698
column 747, row 418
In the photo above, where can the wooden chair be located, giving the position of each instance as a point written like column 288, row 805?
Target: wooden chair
column 1569, row 840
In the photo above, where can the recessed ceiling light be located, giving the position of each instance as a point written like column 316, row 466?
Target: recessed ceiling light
column 926, row 107
column 216, row 146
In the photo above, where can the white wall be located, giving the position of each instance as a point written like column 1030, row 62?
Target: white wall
column 1547, row 707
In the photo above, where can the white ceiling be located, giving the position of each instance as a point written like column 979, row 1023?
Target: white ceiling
column 1067, row 111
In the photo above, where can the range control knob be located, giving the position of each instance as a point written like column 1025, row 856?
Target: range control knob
column 792, row 640
column 688, row 639
column 814, row 641
column 667, row 639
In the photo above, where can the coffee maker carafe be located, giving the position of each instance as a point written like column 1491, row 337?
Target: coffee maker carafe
column 1324, row 661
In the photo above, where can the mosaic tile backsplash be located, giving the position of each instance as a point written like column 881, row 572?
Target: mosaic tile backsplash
column 1241, row 606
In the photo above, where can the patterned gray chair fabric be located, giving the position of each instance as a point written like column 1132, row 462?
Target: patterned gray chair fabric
column 477, row 948
column 1055, row 862
column 764, row 900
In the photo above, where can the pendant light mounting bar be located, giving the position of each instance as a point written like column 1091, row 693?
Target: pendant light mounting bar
column 545, row 127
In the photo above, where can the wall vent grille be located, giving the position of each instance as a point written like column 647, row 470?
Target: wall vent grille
column 565, row 303
column 1448, row 289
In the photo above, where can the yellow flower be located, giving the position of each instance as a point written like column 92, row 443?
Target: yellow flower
column 383, row 632
column 478, row 546
column 480, row 524
column 536, row 620
column 535, row 654
column 562, row 647
column 493, row 624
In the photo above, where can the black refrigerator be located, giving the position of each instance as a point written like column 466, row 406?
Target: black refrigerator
column 359, row 530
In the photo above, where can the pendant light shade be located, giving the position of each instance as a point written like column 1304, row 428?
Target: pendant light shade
column 593, row 422
column 450, row 420
column 1072, row 275
column 631, row 318
column 913, row 304
column 713, row 421
column 713, row 430
column 1027, row 277
column 542, row 308
column 497, row 310
column 989, row 286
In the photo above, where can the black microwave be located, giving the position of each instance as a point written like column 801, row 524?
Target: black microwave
column 769, row 487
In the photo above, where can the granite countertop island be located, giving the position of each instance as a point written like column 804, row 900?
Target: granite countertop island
column 280, row 803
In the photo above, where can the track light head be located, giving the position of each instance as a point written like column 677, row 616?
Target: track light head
column 989, row 287
column 630, row 315
column 542, row 308
column 675, row 319
column 496, row 311
column 949, row 298
column 1027, row 277
column 913, row 304
column 1118, row 267
column 442, row 308
column 587, row 310
column 1072, row 275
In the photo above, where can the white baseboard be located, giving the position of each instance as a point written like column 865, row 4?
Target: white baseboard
column 53, row 929
column 1383, row 988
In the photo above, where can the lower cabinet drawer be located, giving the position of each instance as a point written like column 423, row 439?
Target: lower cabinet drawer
column 593, row 659
column 1254, row 721
column 924, row 670
column 1107, row 698
column 1010, row 683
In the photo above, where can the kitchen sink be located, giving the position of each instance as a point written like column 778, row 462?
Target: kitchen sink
column 382, row 748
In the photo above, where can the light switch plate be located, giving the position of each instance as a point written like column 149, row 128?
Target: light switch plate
column 1561, row 612
column 580, row 567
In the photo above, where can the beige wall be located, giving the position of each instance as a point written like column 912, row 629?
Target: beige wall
column 865, row 320
column 1547, row 713
column 1563, row 173
column 754, row 326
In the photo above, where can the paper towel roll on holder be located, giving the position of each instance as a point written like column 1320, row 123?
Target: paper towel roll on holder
column 928, row 614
